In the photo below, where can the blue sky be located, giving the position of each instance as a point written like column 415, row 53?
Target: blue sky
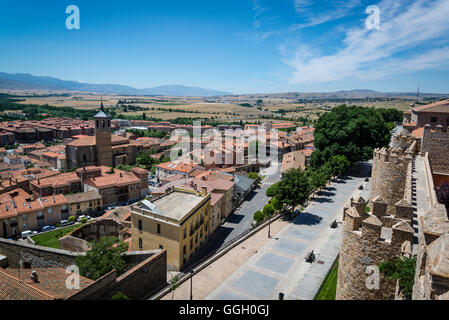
column 240, row 46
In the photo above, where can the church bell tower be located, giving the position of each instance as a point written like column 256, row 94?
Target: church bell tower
column 103, row 138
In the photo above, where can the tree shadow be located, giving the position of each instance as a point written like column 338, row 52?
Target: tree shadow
column 306, row 218
column 325, row 193
column 323, row 200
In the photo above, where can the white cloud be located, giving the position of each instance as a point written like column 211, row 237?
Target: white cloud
column 410, row 38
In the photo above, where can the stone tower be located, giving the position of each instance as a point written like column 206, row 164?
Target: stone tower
column 103, row 138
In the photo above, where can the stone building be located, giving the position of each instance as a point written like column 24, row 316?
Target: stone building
column 103, row 149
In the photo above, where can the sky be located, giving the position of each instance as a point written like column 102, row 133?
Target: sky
column 238, row 46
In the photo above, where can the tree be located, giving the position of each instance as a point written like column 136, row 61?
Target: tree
column 350, row 131
column 339, row 164
column 144, row 159
column 272, row 190
column 258, row 216
column 293, row 189
column 104, row 256
column 268, row 210
column 277, row 204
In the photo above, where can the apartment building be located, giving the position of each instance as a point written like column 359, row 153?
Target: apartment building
column 85, row 203
column 178, row 222
column 20, row 212
column 115, row 185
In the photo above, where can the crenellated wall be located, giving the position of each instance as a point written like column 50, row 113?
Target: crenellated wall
column 366, row 242
column 389, row 173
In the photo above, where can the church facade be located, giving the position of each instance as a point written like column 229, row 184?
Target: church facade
column 102, row 149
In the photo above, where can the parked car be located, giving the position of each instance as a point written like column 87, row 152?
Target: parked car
column 26, row 234
column 47, row 228
column 65, row 223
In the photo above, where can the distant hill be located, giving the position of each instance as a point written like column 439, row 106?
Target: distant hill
column 25, row 81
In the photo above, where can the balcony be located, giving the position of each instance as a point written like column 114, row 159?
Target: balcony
column 13, row 224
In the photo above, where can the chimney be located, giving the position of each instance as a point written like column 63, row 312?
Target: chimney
column 34, row 276
column 203, row 191
column 38, row 181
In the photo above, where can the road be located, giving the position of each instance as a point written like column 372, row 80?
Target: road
column 239, row 221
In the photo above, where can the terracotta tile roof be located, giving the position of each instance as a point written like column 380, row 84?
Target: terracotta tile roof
column 118, row 178
column 307, row 152
column 51, row 281
column 13, row 289
column 61, row 180
column 418, row 133
column 180, row 167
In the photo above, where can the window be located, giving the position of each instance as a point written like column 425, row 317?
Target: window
column 433, row 119
column 140, row 225
column 185, row 232
column 49, row 210
column 161, row 246
column 78, row 206
column 24, row 217
column 158, row 228
column 191, row 244
column 140, row 243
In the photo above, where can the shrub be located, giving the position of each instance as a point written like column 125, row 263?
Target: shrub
column 253, row 175
column 403, row 270
column 119, row 296
column 83, row 220
column 258, row 216
column 72, row 219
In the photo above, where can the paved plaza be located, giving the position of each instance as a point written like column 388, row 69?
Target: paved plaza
column 280, row 266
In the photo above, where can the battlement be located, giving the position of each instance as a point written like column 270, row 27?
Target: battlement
column 436, row 144
column 378, row 225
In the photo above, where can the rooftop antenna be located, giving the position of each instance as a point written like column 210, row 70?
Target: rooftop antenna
column 417, row 93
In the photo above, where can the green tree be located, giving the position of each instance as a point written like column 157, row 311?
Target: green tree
column 293, row 189
column 174, row 284
column 258, row 216
column 268, row 210
column 350, row 131
column 339, row 164
column 103, row 257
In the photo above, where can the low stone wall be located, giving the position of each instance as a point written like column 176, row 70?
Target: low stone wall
column 35, row 256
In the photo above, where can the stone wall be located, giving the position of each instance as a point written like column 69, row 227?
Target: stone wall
column 367, row 242
column 35, row 256
column 437, row 145
column 389, row 172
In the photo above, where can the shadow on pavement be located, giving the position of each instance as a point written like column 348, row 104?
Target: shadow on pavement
column 306, row 218
column 235, row 218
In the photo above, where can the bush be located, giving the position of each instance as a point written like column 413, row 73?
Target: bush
column 83, row 220
column 72, row 219
column 253, row 175
column 57, row 225
column 403, row 270
column 120, row 296
column 258, row 216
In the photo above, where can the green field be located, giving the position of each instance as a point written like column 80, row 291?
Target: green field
column 51, row 239
column 329, row 286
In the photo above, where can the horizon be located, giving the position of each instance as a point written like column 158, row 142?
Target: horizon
column 240, row 47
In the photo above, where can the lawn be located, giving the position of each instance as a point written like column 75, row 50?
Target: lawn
column 329, row 286
column 51, row 239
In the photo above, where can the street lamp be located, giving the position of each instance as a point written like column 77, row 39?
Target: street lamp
column 269, row 224
column 191, row 285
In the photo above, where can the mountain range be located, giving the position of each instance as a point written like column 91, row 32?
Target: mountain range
column 26, row 81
